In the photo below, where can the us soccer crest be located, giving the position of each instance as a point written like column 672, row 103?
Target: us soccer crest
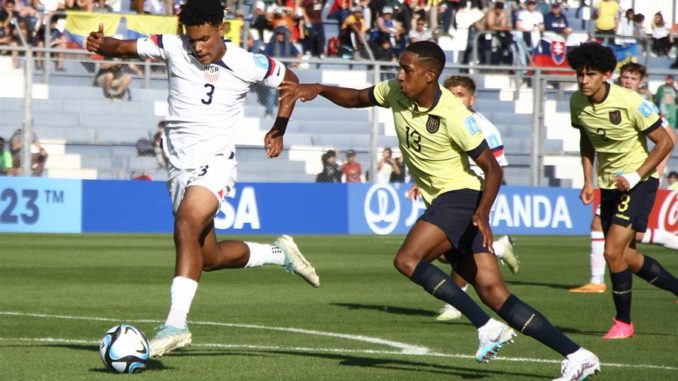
column 615, row 117
column 433, row 124
column 211, row 73
column 558, row 52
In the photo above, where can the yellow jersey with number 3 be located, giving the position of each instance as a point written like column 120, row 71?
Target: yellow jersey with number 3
column 435, row 143
column 617, row 128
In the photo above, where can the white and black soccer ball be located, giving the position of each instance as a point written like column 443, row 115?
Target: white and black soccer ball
column 124, row 349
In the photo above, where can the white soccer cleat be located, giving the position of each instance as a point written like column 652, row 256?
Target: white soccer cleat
column 508, row 256
column 448, row 313
column 492, row 337
column 578, row 366
column 169, row 338
column 295, row 261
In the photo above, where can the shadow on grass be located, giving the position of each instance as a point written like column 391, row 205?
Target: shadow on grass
column 151, row 364
column 387, row 309
column 558, row 286
column 395, row 364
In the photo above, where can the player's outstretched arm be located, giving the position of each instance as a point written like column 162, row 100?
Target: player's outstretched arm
column 663, row 145
column 273, row 141
column 342, row 96
column 493, row 177
column 110, row 47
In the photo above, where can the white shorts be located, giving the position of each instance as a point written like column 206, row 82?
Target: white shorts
column 218, row 174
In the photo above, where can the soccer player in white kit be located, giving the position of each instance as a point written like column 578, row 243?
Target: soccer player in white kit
column 209, row 78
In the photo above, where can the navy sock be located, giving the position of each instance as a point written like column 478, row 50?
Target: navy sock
column 440, row 285
column 622, row 282
column 521, row 317
column 656, row 275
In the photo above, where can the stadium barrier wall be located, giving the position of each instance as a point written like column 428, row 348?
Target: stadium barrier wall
column 110, row 206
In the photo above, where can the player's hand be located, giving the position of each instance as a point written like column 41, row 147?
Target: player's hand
column 621, row 183
column 481, row 221
column 413, row 194
column 95, row 39
column 294, row 91
column 273, row 142
column 586, row 195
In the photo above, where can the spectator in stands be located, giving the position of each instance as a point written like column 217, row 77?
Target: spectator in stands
column 331, row 172
column 666, row 99
column 152, row 7
column 400, row 176
column 388, row 28
column 9, row 33
column 280, row 47
column 353, row 34
column 498, row 49
column 352, row 171
column 158, row 151
column 5, row 159
column 383, row 50
column 386, row 166
column 38, row 154
column 143, row 176
column 314, row 43
column 56, row 40
column 531, row 23
column 83, row 5
column 672, row 180
column 605, row 12
column 639, row 30
column 555, row 21
column 114, row 79
column 626, row 28
column 260, row 20
column 662, row 39
column 420, row 33
column 450, row 11
column 339, row 11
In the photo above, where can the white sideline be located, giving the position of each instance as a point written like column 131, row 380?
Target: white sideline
column 406, row 349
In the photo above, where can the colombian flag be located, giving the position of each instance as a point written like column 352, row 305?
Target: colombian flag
column 80, row 24
column 139, row 26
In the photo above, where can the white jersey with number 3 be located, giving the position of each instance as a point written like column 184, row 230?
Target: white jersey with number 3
column 205, row 101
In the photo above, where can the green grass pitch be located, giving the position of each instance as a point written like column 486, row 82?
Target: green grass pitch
column 60, row 293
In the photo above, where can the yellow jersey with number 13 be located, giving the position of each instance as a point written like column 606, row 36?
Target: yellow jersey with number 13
column 435, row 143
column 617, row 128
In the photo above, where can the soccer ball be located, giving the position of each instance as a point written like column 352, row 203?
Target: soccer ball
column 124, row 349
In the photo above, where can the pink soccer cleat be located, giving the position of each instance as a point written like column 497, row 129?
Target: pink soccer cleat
column 619, row 330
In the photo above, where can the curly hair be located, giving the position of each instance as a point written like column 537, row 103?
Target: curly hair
column 429, row 51
column 460, row 80
column 199, row 12
column 592, row 55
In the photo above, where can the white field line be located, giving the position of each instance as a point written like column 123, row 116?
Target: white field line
column 296, row 349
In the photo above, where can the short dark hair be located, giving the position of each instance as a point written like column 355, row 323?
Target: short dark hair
column 673, row 174
column 593, row 56
column 460, row 80
column 431, row 52
column 199, row 12
column 633, row 67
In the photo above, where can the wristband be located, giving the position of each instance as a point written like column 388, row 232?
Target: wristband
column 633, row 178
column 281, row 124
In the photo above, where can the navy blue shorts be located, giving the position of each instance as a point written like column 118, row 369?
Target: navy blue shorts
column 452, row 212
column 628, row 208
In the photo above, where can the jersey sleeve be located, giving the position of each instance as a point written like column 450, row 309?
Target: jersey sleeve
column 493, row 138
column 380, row 94
column 642, row 113
column 260, row 68
column 152, row 47
column 466, row 134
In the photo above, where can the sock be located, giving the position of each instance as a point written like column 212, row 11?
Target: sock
column 596, row 258
column 622, row 282
column 440, row 285
column 656, row 275
column 527, row 320
column 181, row 296
column 264, row 254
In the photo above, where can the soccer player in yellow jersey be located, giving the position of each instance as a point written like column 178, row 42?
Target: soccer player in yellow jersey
column 631, row 76
column 614, row 123
column 437, row 134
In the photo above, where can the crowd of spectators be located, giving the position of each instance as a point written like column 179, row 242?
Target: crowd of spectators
column 10, row 155
column 390, row 169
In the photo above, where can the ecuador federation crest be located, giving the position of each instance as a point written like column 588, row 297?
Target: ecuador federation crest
column 615, row 117
column 433, row 124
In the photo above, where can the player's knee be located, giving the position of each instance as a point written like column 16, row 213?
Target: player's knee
column 185, row 228
column 405, row 263
column 493, row 294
